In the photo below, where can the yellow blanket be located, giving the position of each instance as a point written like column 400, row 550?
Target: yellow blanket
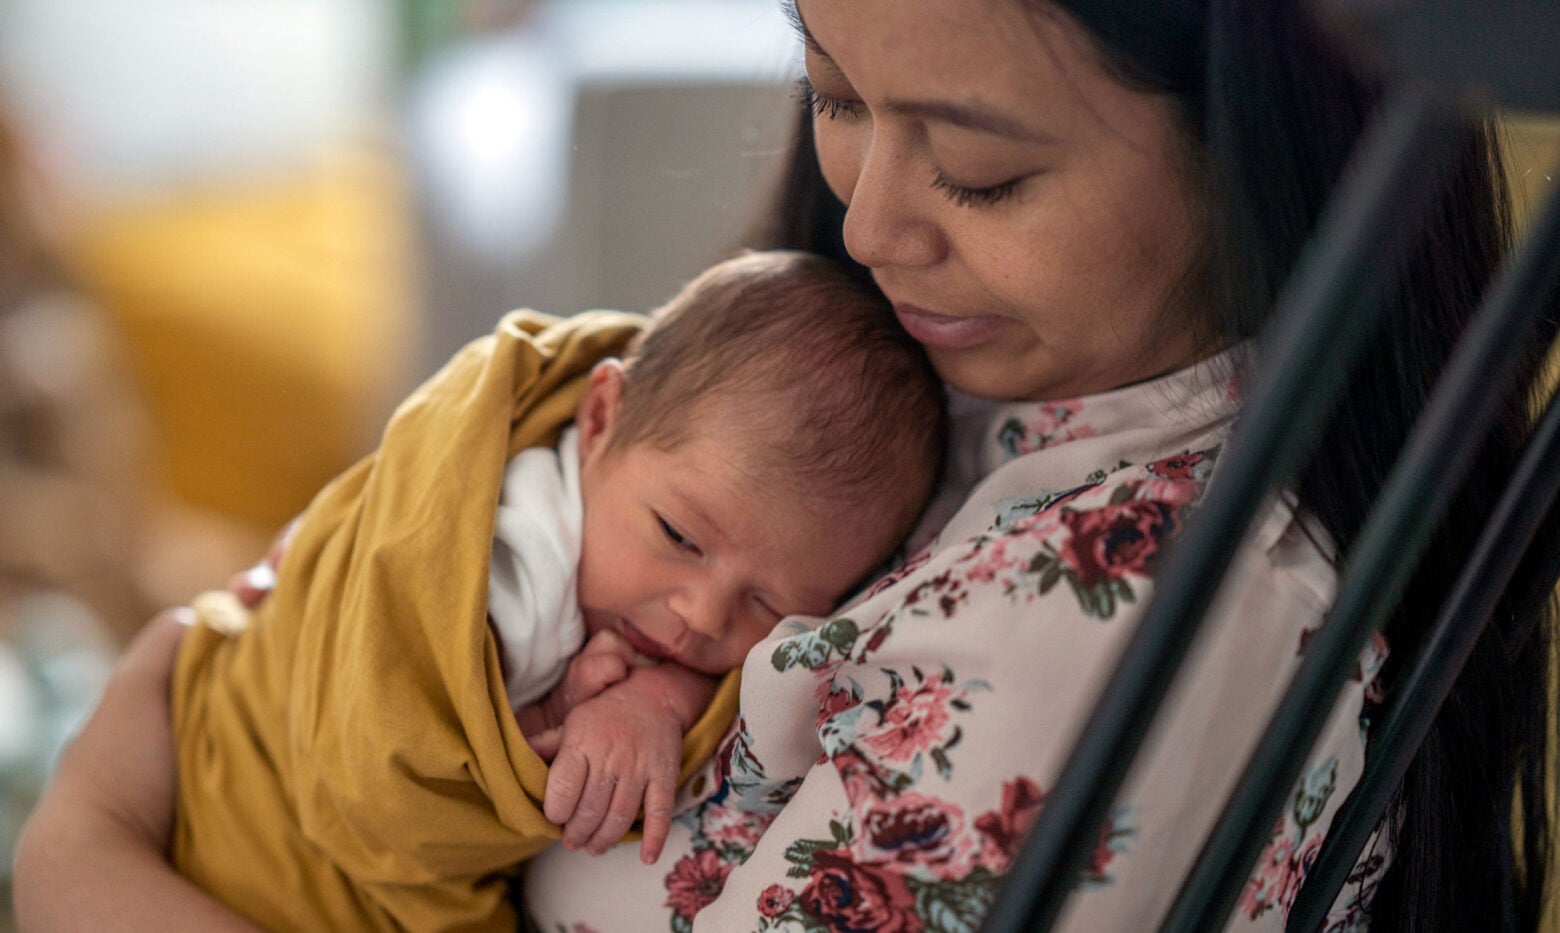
column 350, row 761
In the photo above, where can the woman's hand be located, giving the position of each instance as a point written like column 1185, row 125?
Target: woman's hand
column 252, row 586
column 94, row 852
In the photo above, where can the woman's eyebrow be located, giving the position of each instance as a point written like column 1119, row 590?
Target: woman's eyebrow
column 789, row 10
column 971, row 117
column 963, row 115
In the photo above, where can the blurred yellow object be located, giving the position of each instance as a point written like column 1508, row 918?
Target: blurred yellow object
column 269, row 324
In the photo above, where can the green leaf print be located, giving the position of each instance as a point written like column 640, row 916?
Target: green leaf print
column 1312, row 794
column 954, row 906
column 815, row 649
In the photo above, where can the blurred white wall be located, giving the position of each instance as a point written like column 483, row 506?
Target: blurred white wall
column 597, row 155
column 159, row 93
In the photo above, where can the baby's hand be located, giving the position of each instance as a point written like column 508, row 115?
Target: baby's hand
column 605, row 660
column 617, row 749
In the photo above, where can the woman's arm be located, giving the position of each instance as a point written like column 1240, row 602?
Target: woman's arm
column 94, row 852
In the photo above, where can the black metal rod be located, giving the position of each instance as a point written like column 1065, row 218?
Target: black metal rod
column 1319, row 329
column 1517, row 517
column 1421, row 485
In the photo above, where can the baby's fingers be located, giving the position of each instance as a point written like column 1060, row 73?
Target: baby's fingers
column 589, row 675
column 620, row 816
column 592, row 809
column 659, row 796
column 546, row 747
column 565, row 785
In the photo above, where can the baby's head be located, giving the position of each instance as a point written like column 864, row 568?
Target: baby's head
column 766, row 444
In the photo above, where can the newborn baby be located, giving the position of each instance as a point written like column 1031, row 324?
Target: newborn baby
column 763, row 446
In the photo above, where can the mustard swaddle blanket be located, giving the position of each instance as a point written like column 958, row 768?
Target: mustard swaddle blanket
column 350, row 761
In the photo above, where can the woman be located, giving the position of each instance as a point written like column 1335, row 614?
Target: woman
column 1083, row 246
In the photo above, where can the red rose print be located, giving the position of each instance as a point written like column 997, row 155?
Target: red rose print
column 1002, row 831
column 1103, row 853
column 695, row 881
column 1114, row 540
column 775, row 900
column 913, row 723
column 732, row 826
column 832, row 700
column 854, row 898
column 913, row 829
column 1178, row 467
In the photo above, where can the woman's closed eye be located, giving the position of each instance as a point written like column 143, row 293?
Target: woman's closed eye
column 834, row 108
column 829, row 108
column 965, row 196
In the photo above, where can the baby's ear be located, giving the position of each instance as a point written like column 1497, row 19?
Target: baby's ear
column 598, row 410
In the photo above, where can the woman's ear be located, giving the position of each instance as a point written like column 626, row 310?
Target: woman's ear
column 598, row 410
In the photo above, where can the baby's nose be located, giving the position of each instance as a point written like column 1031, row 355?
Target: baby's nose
column 707, row 611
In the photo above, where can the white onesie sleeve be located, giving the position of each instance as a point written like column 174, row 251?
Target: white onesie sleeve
column 532, row 588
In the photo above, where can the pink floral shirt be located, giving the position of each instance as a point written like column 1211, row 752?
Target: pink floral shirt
column 888, row 760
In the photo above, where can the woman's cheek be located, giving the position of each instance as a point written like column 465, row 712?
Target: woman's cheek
column 841, row 150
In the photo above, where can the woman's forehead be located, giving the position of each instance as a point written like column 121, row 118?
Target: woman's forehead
column 1025, row 63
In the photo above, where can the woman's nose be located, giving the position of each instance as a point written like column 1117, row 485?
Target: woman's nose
column 884, row 225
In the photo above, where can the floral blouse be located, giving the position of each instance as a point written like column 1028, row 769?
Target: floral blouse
column 889, row 760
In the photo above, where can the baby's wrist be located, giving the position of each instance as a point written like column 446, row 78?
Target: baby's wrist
column 682, row 691
column 536, row 718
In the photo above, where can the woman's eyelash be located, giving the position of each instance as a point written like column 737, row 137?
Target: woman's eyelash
column 830, row 108
column 973, row 197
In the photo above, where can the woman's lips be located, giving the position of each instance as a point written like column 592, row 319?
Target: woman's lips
column 944, row 331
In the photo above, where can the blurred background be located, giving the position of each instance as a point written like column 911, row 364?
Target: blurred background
column 234, row 232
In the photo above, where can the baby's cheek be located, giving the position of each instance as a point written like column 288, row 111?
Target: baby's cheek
column 742, row 642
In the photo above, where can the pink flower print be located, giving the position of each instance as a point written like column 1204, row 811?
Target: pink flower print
column 914, row 830
column 948, row 592
column 775, row 900
column 912, row 723
column 695, row 881
column 860, row 778
column 732, row 827
column 904, row 570
column 853, row 898
column 1002, row 831
column 1114, row 540
column 1174, row 492
column 1186, row 466
column 1270, row 877
column 833, row 700
column 988, row 560
column 1050, row 424
column 1299, row 867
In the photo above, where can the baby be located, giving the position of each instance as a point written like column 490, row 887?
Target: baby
column 763, row 447
column 760, row 449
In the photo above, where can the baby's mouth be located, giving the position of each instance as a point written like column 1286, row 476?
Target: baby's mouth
column 643, row 643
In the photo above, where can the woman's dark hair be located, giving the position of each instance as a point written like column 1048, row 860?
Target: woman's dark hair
column 1276, row 108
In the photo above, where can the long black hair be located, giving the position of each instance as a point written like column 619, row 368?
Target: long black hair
column 1275, row 107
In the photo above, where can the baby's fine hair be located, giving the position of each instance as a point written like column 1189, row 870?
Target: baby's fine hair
column 816, row 363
